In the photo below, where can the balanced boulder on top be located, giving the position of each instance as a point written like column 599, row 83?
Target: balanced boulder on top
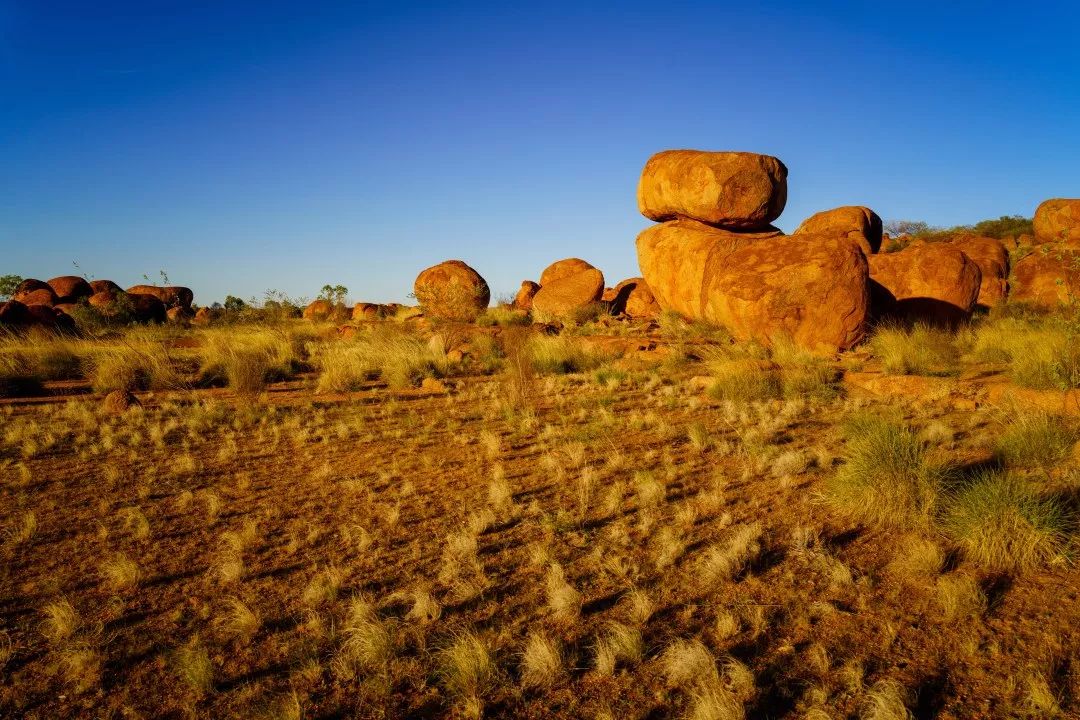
column 735, row 190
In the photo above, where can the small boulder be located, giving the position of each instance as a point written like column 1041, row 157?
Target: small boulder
column 433, row 385
column 42, row 296
column 28, row 285
column 570, row 292
column 69, row 288
column 204, row 316
column 318, row 310
column 858, row 223
column 367, row 311
column 147, row 308
column 451, row 290
column 737, row 190
column 105, row 285
column 993, row 261
column 1058, row 220
column 13, row 314
column 178, row 314
column 934, row 283
column 633, row 298
column 525, row 294
column 170, row 295
column 1047, row 278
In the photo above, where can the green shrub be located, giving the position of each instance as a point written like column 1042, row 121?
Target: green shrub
column 1001, row 524
column 887, row 479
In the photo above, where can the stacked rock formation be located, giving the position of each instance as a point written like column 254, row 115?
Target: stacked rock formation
column 716, row 257
column 54, row 303
column 451, row 291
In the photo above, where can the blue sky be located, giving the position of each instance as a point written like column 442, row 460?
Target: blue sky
column 252, row 145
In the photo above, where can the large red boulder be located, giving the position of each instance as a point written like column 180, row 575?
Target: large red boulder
column 30, row 285
column 43, row 296
column 451, row 290
column 69, row 288
column 572, row 286
column 933, row 283
column 319, row 310
column 1058, row 220
column 811, row 288
column 1047, row 278
column 674, row 256
column 859, row 223
column 13, row 314
column 993, row 261
column 736, row 190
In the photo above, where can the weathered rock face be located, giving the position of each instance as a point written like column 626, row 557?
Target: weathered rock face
column 736, row 190
column 859, row 223
column 1048, row 277
column 46, row 316
column 993, row 261
column 563, row 268
column 204, row 316
column 525, row 294
column 178, row 314
column 633, row 298
column 43, row 296
column 367, row 311
column 934, row 283
column 569, row 292
column 451, row 290
column 69, row 288
column 104, row 299
column 1058, row 220
column 810, row 287
column 27, row 286
column 147, row 308
column 171, row 295
column 673, row 257
column 105, row 285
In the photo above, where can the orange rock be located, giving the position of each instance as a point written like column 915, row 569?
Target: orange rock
column 633, row 298
column 524, row 298
column 171, row 295
column 859, row 223
column 147, row 308
column 736, row 190
column 43, row 296
column 203, row 316
column 14, row 314
column 934, row 283
column 570, row 292
column 318, row 310
column 69, row 288
column 367, row 311
column 673, row 258
column 1048, row 277
column 451, row 290
column 563, row 268
column 993, row 261
column 1058, row 220
column 28, row 286
column 105, row 285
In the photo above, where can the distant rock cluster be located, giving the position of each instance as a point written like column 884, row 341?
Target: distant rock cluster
column 55, row 303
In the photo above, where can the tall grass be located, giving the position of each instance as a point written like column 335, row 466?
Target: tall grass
column 247, row 360
column 999, row 522
column 392, row 355
column 560, row 355
column 1036, row 439
column 887, row 479
column 920, row 350
column 1043, row 354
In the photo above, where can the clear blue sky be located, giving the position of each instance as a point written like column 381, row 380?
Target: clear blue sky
column 250, row 145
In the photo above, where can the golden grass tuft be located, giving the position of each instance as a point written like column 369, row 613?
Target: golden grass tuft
column 921, row 350
column 542, row 662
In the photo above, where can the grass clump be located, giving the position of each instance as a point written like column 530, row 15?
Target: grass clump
column 745, row 380
column 920, row 350
column 130, row 367
column 1042, row 354
column 468, row 671
column 1000, row 523
column 396, row 357
column 887, row 479
column 1035, row 439
column 559, row 355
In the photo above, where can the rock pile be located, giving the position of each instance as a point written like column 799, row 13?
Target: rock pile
column 567, row 287
column 55, row 303
column 716, row 256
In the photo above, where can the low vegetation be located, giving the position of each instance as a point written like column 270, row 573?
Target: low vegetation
column 462, row 521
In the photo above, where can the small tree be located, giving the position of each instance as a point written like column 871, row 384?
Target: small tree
column 8, row 283
column 234, row 304
column 334, row 294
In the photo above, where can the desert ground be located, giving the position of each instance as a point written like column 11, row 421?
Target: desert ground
column 626, row 519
